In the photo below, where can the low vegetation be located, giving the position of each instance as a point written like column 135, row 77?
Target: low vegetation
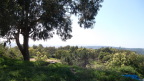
column 72, row 63
column 16, row 70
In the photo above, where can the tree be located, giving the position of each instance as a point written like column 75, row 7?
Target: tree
column 50, row 51
column 41, row 19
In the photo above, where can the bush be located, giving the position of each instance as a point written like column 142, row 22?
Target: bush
column 40, row 56
column 15, row 70
column 2, row 51
column 127, row 70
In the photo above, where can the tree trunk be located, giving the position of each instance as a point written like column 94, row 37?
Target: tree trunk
column 23, row 48
column 25, row 32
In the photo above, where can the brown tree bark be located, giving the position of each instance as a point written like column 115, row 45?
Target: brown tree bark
column 24, row 47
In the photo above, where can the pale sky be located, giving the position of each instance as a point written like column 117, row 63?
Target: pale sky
column 119, row 23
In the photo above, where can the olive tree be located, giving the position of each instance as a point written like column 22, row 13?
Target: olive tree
column 41, row 19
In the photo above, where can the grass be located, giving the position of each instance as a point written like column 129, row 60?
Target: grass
column 15, row 70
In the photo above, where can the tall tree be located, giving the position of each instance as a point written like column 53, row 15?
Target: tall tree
column 41, row 19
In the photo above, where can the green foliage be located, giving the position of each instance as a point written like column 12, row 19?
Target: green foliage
column 50, row 51
column 104, row 59
column 76, row 56
column 1, row 60
column 2, row 50
column 41, row 19
column 38, row 51
column 118, row 60
column 127, row 70
column 32, row 52
column 15, row 70
column 13, row 53
column 40, row 56
column 100, row 59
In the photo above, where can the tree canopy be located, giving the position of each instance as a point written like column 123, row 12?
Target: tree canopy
column 41, row 19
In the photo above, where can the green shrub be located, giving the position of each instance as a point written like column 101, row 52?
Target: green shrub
column 127, row 70
column 40, row 56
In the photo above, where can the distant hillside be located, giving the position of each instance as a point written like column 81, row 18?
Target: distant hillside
column 137, row 50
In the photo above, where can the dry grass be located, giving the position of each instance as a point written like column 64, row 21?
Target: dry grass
column 48, row 60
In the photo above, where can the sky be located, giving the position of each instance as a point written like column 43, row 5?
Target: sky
column 119, row 23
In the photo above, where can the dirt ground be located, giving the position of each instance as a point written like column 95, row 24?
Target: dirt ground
column 48, row 60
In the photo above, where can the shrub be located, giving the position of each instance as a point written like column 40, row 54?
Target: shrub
column 40, row 57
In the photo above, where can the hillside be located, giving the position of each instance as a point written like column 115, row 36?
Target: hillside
column 137, row 50
column 72, row 63
column 16, row 70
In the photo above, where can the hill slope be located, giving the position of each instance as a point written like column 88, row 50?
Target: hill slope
column 15, row 70
column 137, row 50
